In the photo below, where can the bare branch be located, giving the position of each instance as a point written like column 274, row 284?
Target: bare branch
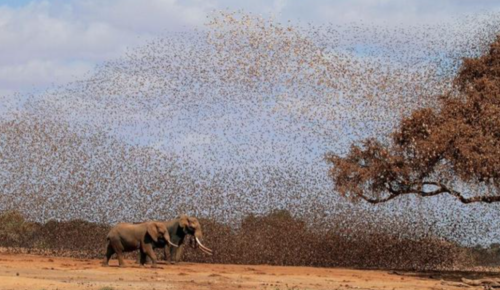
column 440, row 190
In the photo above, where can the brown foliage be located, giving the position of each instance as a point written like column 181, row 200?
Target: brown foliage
column 435, row 149
column 15, row 231
column 280, row 239
column 489, row 256
column 78, row 237
column 275, row 239
column 75, row 238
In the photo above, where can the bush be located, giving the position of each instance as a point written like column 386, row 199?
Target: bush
column 76, row 238
column 15, row 231
column 275, row 239
column 487, row 256
column 280, row 239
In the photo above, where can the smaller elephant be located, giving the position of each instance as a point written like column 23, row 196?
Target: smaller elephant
column 126, row 237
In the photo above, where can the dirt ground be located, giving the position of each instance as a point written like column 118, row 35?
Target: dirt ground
column 33, row 272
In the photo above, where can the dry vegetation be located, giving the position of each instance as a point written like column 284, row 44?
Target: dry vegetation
column 436, row 150
column 278, row 238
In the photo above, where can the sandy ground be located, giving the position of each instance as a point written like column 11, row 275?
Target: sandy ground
column 33, row 272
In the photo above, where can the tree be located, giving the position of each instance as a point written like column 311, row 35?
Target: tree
column 452, row 149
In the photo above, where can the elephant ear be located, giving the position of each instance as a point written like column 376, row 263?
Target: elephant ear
column 153, row 231
column 183, row 221
column 193, row 222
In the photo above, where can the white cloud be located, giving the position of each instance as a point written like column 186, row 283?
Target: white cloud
column 45, row 42
column 51, row 42
column 40, row 72
column 393, row 12
column 152, row 16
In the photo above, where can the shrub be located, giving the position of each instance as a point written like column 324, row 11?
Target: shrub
column 15, row 231
column 275, row 239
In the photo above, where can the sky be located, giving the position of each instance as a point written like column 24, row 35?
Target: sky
column 46, row 43
column 52, row 42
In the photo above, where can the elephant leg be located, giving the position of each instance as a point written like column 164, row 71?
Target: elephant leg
column 118, row 248
column 172, row 255
column 142, row 257
column 109, row 252
column 121, row 262
column 165, row 255
column 147, row 260
column 178, row 254
column 148, row 249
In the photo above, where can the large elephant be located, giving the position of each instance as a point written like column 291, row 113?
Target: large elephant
column 126, row 237
column 178, row 229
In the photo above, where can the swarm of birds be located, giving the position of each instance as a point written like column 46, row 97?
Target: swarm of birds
column 231, row 123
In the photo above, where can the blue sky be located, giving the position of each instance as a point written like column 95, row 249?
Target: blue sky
column 46, row 42
column 15, row 3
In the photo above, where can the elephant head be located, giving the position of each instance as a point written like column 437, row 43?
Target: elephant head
column 191, row 226
column 159, row 230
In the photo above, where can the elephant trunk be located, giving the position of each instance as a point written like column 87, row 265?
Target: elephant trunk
column 198, row 234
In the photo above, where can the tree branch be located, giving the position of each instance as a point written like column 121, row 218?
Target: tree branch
column 441, row 188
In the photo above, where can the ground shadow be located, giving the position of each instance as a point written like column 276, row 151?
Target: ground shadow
column 453, row 276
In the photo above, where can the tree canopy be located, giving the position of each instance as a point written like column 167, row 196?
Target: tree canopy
column 452, row 149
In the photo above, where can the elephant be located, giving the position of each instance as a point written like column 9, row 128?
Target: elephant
column 127, row 237
column 178, row 229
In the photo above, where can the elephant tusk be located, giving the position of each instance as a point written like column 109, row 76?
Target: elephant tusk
column 174, row 245
column 206, row 250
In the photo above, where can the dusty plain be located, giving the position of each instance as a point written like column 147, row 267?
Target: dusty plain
column 33, row 272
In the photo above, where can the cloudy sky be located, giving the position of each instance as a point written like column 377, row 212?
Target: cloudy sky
column 46, row 42
column 52, row 42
